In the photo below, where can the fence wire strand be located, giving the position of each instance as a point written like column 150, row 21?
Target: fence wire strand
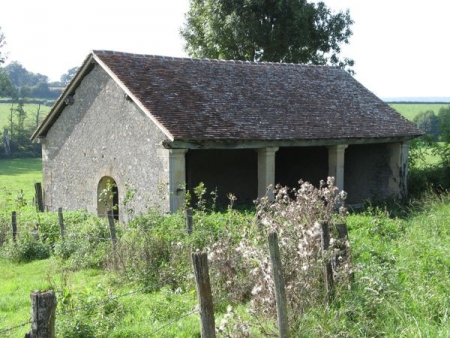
column 171, row 322
column 14, row 327
column 110, row 299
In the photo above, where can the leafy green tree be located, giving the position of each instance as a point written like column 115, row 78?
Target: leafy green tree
column 444, row 124
column 267, row 30
column 2, row 44
column 428, row 122
column 65, row 78
column 7, row 89
column 17, row 73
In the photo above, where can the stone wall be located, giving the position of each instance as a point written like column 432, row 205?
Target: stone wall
column 101, row 134
column 367, row 172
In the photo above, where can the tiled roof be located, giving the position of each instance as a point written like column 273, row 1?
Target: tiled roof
column 216, row 100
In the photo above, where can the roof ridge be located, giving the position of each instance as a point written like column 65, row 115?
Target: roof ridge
column 255, row 63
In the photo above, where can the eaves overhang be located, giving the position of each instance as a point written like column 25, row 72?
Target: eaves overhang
column 256, row 144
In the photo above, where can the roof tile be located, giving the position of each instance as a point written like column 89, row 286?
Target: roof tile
column 202, row 99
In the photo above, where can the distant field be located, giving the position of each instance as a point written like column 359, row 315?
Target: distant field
column 17, row 175
column 410, row 110
column 31, row 109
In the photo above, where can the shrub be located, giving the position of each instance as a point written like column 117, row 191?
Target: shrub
column 86, row 244
column 241, row 267
column 26, row 248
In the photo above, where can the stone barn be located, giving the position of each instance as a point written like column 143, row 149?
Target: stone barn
column 149, row 127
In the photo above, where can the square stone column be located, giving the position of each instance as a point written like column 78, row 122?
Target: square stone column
column 336, row 164
column 398, row 162
column 266, row 171
column 173, row 177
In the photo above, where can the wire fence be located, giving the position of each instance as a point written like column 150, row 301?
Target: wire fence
column 4, row 331
column 203, row 231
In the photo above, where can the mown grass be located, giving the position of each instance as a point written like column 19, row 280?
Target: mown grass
column 17, row 179
column 410, row 110
column 30, row 108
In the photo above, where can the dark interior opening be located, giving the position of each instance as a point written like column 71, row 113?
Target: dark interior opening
column 301, row 163
column 229, row 171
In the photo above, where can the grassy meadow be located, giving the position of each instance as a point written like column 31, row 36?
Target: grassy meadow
column 400, row 268
column 30, row 108
column 410, row 110
column 401, row 263
column 17, row 178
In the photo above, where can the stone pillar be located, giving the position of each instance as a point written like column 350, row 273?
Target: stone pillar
column 398, row 162
column 336, row 163
column 266, row 170
column 173, row 176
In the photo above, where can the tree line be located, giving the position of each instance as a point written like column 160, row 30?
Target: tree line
column 435, row 126
column 294, row 31
column 16, row 82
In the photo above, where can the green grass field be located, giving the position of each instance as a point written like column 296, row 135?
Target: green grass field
column 410, row 110
column 30, row 108
column 17, row 177
column 400, row 289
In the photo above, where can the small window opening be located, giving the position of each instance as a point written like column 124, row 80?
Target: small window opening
column 107, row 197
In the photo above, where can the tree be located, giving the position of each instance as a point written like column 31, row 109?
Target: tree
column 428, row 122
column 2, row 44
column 6, row 87
column 266, row 30
column 17, row 73
column 444, row 124
column 65, row 78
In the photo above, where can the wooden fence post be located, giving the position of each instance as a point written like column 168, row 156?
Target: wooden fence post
column 61, row 223
column 112, row 229
column 43, row 305
column 327, row 270
column 14, row 225
column 280, row 292
column 200, row 262
column 342, row 237
column 38, row 197
column 189, row 221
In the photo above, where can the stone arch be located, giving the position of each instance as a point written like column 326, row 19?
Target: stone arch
column 107, row 197
column 107, row 178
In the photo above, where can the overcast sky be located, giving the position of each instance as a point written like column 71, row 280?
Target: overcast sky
column 401, row 48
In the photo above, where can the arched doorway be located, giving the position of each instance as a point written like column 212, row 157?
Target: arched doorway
column 107, row 197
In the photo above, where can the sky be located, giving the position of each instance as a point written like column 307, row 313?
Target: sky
column 401, row 48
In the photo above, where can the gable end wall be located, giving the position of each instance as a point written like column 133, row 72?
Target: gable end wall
column 101, row 134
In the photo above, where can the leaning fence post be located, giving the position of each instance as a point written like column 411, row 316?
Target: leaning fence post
column 38, row 197
column 327, row 269
column 43, row 305
column 200, row 262
column 280, row 292
column 61, row 222
column 14, row 225
column 189, row 221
